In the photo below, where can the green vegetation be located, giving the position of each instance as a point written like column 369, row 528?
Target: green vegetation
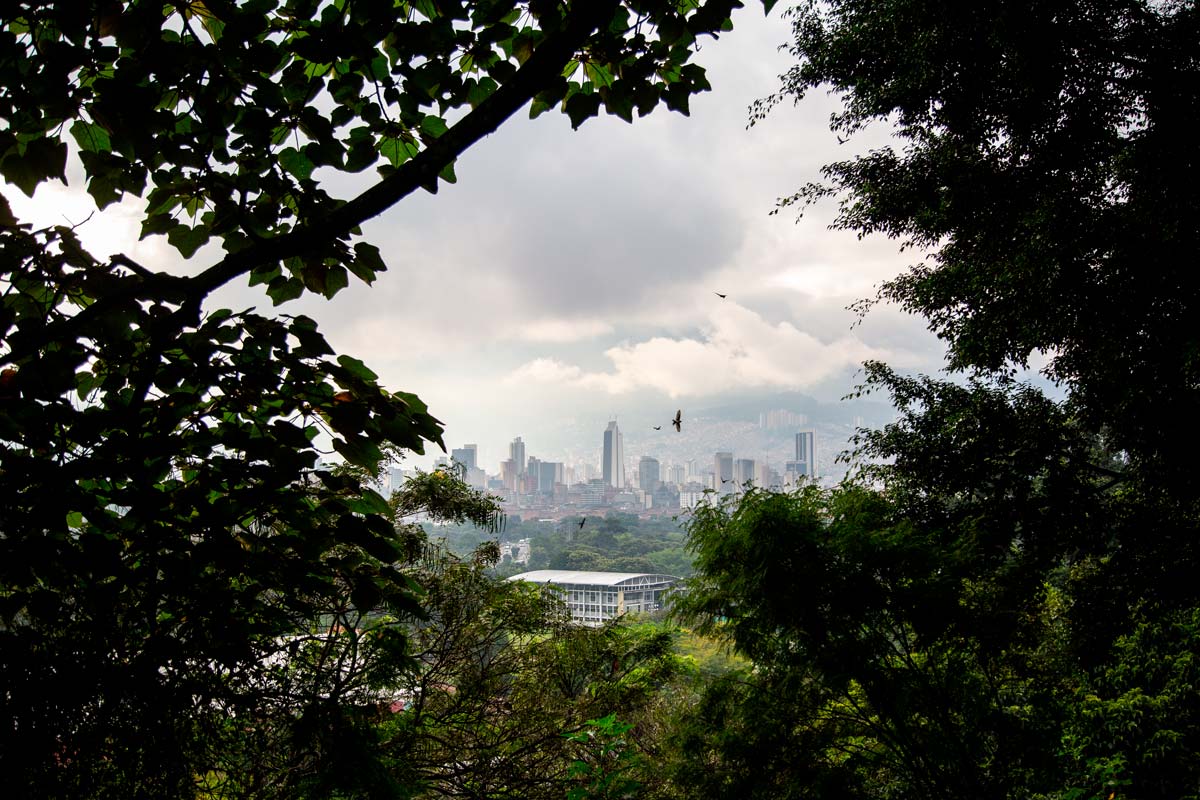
column 1000, row 603
column 1003, row 603
column 165, row 521
column 615, row 542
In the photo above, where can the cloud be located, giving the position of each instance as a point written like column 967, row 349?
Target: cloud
column 738, row 349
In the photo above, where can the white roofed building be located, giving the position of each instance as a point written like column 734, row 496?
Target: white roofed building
column 597, row 597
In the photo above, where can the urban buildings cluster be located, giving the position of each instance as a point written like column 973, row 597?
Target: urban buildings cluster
column 532, row 487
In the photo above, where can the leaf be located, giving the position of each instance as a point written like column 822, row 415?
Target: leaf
column 91, row 137
column 359, row 451
column 282, row 289
column 188, row 240
column 42, row 159
column 580, row 106
column 398, row 150
column 296, row 162
column 357, row 368
column 433, row 126
column 367, row 262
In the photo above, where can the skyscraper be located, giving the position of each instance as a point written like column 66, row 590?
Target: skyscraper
column 467, row 455
column 648, row 474
column 516, row 453
column 613, row 462
column 806, row 453
column 743, row 472
column 723, row 472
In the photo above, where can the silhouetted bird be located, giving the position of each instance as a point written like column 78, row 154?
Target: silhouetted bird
column 718, row 294
column 726, row 480
column 657, row 427
column 581, row 523
column 678, row 421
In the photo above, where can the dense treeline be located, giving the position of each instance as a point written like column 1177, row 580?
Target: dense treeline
column 615, row 542
column 1004, row 604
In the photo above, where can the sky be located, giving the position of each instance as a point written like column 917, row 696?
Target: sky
column 570, row 277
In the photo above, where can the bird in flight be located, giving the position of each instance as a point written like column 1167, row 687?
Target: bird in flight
column 678, row 421
column 658, row 427
column 718, row 294
column 581, row 523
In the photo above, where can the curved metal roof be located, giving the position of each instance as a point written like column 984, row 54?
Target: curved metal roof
column 588, row 577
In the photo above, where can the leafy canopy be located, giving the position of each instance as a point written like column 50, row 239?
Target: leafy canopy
column 163, row 510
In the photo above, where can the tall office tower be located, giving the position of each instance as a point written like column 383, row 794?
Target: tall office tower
column 508, row 473
column 806, row 453
column 648, row 474
column 723, row 472
column 516, row 453
column 467, row 455
column 675, row 474
column 613, row 464
column 549, row 473
column 533, row 468
column 763, row 475
column 743, row 472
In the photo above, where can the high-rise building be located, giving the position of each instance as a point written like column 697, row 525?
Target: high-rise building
column 723, row 472
column 467, row 455
column 743, row 472
column 516, row 453
column 675, row 474
column 806, row 453
column 613, row 464
column 648, row 474
column 549, row 473
column 508, row 473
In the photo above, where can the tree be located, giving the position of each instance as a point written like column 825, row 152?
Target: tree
column 1004, row 605
column 1047, row 169
column 163, row 511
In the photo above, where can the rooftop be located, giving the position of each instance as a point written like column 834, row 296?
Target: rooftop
column 591, row 578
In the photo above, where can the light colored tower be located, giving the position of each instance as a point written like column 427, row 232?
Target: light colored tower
column 723, row 472
column 516, row 453
column 613, row 463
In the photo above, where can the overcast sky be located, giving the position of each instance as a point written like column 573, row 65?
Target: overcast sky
column 570, row 275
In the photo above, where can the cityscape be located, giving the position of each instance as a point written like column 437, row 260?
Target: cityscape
column 646, row 484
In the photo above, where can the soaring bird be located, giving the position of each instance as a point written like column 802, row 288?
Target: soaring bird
column 581, row 523
column 657, row 427
column 718, row 294
column 678, row 421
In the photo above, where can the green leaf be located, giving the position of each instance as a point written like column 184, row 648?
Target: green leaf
column 296, row 162
column 367, row 262
column 91, row 137
column 580, row 106
column 598, row 74
column 188, row 240
column 42, row 159
column 359, row 451
column 398, row 150
column 357, row 368
column 433, row 126
column 282, row 289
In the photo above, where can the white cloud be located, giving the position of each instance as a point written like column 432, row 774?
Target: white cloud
column 561, row 330
column 737, row 349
